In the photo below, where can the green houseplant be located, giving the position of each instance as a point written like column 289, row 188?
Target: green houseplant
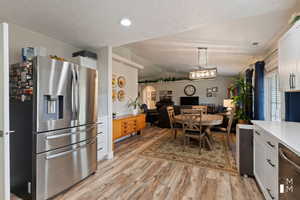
column 294, row 18
column 242, row 99
column 134, row 104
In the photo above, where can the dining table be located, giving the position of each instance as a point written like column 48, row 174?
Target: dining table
column 208, row 121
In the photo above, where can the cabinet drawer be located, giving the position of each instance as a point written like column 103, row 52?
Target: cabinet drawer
column 101, row 150
column 100, row 128
column 100, row 138
column 100, row 146
column 271, row 142
column 124, row 132
column 266, row 137
column 258, row 134
column 60, row 138
column 271, row 182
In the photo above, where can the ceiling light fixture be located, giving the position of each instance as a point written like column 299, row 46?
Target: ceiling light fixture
column 125, row 22
column 203, row 72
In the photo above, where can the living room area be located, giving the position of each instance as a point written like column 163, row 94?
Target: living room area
column 198, row 91
column 190, row 115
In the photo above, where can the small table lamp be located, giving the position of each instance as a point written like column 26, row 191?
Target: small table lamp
column 228, row 103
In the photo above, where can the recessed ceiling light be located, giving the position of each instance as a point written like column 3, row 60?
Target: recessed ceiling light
column 125, row 22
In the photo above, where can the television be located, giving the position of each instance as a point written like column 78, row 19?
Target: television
column 187, row 101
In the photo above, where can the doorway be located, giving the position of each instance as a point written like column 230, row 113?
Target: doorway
column 149, row 97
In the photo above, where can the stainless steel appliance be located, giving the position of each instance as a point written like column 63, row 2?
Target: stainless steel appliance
column 289, row 174
column 54, row 113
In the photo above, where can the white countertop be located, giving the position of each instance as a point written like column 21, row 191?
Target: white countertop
column 245, row 126
column 288, row 133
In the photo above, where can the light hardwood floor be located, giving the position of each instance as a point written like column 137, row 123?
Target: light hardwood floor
column 129, row 176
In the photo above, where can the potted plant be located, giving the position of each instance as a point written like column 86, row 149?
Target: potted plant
column 134, row 104
column 294, row 18
column 242, row 99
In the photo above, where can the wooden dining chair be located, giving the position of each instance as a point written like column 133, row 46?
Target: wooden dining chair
column 229, row 125
column 227, row 130
column 192, row 127
column 173, row 125
column 203, row 108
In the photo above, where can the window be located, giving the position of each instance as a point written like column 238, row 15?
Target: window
column 273, row 96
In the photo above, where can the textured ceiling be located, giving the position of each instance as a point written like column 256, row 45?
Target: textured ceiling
column 229, row 43
column 95, row 23
column 227, row 27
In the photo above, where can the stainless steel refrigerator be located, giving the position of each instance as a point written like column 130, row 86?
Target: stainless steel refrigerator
column 54, row 114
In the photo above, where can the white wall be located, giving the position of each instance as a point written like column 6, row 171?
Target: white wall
column 4, row 116
column 131, row 87
column 150, row 69
column 20, row 37
column 222, row 82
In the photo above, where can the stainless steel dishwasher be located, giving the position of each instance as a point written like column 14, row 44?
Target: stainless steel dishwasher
column 289, row 174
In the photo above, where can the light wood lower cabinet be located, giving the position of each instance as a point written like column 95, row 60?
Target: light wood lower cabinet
column 126, row 125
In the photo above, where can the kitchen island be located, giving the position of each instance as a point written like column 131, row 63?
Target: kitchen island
column 287, row 133
column 269, row 138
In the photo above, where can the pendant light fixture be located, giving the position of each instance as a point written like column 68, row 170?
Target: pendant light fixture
column 203, row 72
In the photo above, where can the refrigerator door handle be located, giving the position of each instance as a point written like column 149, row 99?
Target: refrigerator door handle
column 77, row 91
column 73, row 90
column 68, row 134
column 70, row 151
column 290, row 81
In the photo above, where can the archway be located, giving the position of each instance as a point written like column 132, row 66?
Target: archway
column 149, row 97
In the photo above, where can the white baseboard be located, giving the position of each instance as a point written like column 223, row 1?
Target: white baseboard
column 110, row 155
column 105, row 156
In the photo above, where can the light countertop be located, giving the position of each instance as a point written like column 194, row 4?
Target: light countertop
column 288, row 133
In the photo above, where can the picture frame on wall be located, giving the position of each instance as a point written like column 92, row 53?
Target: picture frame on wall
column 214, row 89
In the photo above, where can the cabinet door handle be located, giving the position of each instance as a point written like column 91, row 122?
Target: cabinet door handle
column 270, row 163
column 270, row 144
column 294, row 81
column 269, row 192
column 2, row 133
column 290, row 79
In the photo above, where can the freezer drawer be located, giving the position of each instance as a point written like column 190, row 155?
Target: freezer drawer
column 62, row 168
column 56, row 139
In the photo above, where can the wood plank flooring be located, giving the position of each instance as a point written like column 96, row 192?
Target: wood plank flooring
column 130, row 176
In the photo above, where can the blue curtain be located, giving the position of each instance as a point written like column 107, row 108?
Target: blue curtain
column 259, row 91
column 248, row 78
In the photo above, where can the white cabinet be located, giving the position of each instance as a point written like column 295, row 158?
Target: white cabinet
column 259, row 159
column 102, row 139
column 266, row 163
column 289, row 59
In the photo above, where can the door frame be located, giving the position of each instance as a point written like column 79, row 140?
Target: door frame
column 4, row 109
